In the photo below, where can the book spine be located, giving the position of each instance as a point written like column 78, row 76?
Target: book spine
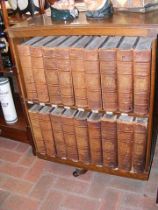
column 47, row 134
column 79, row 77
column 125, row 80
column 50, row 65
column 65, row 77
column 39, row 74
column 125, row 143
column 26, row 65
column 142, row 65
column 82, row 138
column 93, row 80
column 109, row 143
column 58, row 136
column 39, row 142
column 94, row 130
column 70, row 138
column 108, row 79
column 139, row 147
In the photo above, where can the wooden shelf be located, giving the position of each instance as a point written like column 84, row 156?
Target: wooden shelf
column 121, row 23
column 143, row 176
column 87, row 109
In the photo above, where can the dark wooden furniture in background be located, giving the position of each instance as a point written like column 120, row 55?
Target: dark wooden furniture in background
column 20, row 130
column 120, row 24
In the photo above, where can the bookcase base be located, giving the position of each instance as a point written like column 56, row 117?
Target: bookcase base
column 141, row 176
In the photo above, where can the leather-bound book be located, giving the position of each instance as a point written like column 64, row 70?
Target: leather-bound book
column 125, row 142
column 93, row 80
column 125, row 74
column 64, row 71
column 78, row 71
column 139, row 145
column 35, row 126
column 26, row 65
column 141, row 68
column 46, row 129
column 95, row 142
column 50, row 66
column 109, row 140
column 69, row 134
column 107, row 57
column 56, row 121
column 82, row 138
column 38, row 68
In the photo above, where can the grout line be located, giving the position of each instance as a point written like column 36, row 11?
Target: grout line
column 13, row 163
column 23, row 154
column 74, row 193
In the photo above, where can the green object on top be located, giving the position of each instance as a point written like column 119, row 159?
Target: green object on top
column 64, row 15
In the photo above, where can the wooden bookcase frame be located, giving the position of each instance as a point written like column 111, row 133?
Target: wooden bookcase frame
column 121, row 24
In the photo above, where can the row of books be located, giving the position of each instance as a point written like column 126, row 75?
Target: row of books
column 93, row 138
column 96, row 72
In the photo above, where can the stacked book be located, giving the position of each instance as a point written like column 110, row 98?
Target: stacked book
column 141, row 72
column 51, row 72
column 26, row 64
column 125, row 142
column 109, row 140
column 46, row 130
column 93, row 81
column 35, row 126
column 94, row 72
column 64, row 71
column 104, row 140
column 95, row 144
column 125, row 74
column 108, row 71
column 82, row 137
column 59, row 140
column 38, row 69
column 78, row 71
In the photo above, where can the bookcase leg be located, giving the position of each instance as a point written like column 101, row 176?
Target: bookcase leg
column 79, row 171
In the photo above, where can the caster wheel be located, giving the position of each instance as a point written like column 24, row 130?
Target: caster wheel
column 75, row 174
column 78, row 172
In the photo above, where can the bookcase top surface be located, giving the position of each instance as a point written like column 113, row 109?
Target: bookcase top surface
column 121, row 23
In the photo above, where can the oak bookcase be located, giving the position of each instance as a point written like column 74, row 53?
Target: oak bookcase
column 120, row 24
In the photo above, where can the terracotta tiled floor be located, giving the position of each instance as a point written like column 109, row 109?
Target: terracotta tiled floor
column 28, row 183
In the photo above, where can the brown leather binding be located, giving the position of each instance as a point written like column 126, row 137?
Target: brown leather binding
column 56, row 121
column 109, row 140
column 94, row 130
column 64, row 71
column 38, row 68
column 46, row 130
column 38, row 138
column 82, row 138
column 139, row 145
column 93, row 80
column 25, row 61
column 69, row 134
column 50, row 65
column 78, row 71
column 107, row 57
column 125, row 73
column 125, row 142
column 142, row 65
